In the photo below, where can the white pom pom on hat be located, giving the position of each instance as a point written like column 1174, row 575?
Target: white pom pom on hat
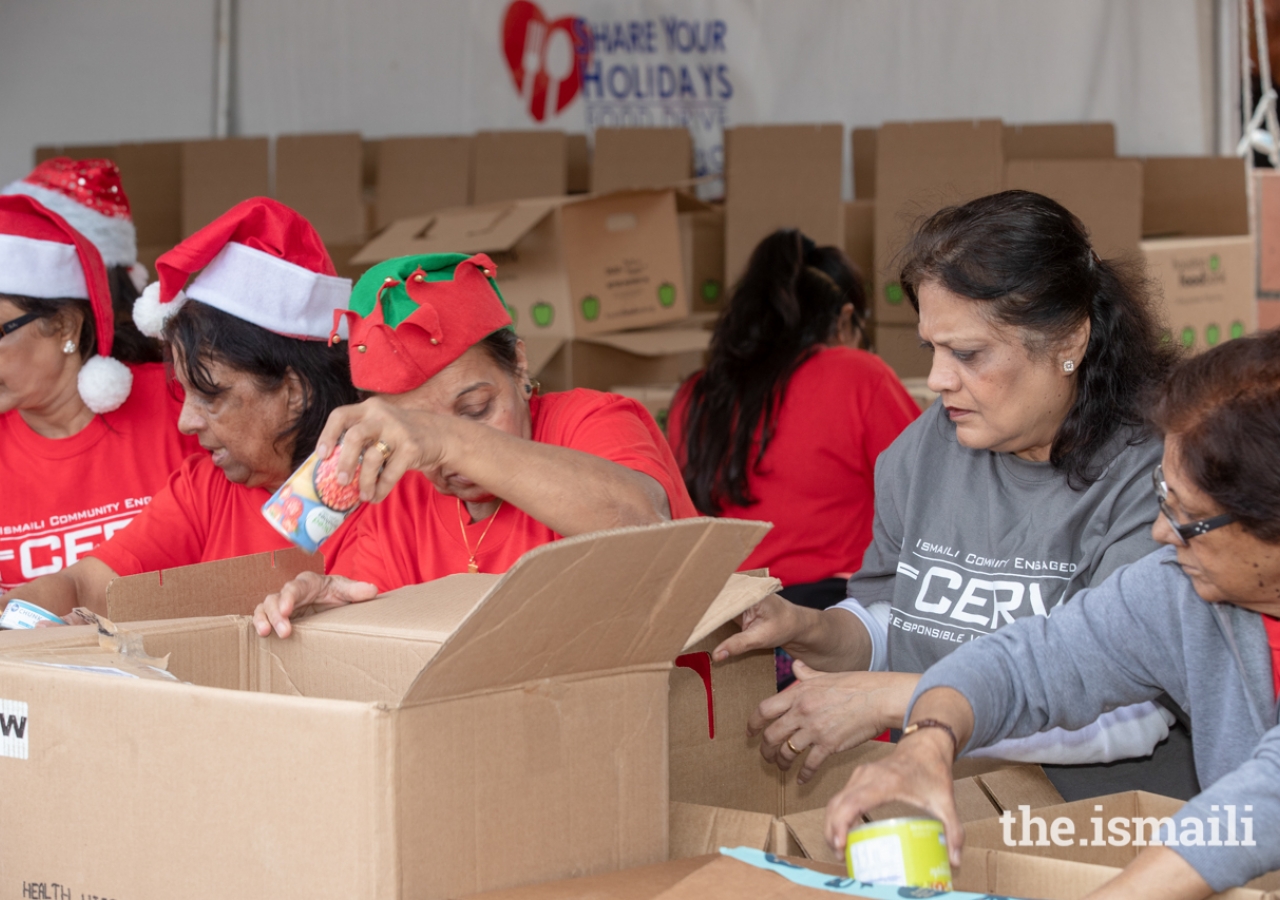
column 104, row 383
column 150, row 315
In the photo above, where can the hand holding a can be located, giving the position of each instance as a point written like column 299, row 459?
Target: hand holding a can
column 918, row 772
column 827, row 712
column 391, row 438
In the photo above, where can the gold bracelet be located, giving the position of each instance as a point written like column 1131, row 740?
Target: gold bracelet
column 934, row 723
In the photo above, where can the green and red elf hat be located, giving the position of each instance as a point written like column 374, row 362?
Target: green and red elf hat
column 413, row 315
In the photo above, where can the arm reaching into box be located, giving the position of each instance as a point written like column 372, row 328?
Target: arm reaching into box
column 827, row 640
column 84, row 583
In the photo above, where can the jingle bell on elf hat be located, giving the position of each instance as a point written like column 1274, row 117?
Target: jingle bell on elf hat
column 89, row 195
column 260, row 261
column 44, row 257
column 413, row 315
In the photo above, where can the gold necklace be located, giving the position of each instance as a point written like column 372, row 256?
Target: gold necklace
column 472, row 566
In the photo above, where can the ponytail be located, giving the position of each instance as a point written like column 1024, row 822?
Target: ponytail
column 786, row 306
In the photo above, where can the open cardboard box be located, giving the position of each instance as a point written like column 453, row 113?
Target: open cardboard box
column 574, row 272
column 724, row 793
column 473, row 733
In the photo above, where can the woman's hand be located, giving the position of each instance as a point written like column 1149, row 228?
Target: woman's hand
column 773, row 622
column 828, row 713
column 917, row 772
column 308, row 593
column 832, row 640
column 392, row 440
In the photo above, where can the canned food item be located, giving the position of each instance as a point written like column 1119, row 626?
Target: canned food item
column 310, row 505
column 21, row 614
column 908, row 852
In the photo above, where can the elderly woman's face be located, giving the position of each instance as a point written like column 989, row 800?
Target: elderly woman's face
column 473, row 387
column 998, row 395
column 34, row 370
column 1226, row 565
column 240, row 425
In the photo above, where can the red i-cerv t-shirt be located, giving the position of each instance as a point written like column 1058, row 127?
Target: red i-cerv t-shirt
column 414, row 536
column 61, row 498
column 841, row 409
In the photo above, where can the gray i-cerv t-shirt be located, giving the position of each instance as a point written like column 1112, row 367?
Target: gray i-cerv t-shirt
column 968, row 540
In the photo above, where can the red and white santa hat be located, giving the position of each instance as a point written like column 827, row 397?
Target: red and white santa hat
column 88, row 194
column 259, row 261
column 41, row 255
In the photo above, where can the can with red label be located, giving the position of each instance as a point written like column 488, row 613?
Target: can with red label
column 311, row 505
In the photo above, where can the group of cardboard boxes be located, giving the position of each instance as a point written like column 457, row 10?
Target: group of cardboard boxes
column 614, row 270
column 480, row 733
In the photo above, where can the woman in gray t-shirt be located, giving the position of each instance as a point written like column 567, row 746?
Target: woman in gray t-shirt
column 1028, row 480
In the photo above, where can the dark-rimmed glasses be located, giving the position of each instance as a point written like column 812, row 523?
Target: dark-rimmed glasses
column 14, row 324
column 1192, row 529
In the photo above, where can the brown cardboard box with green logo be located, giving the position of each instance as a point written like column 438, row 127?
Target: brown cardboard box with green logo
column 1198, row 248
column 574, row 271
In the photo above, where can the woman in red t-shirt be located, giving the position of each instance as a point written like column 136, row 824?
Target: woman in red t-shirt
column 88, row 423
column 785, row 423
column 249, row 339
column 474, row 467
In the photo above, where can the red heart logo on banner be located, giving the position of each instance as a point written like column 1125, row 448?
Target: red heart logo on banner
column 546, row 58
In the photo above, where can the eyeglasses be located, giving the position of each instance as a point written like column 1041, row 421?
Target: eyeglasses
column 1193, row 529
column 14, row 324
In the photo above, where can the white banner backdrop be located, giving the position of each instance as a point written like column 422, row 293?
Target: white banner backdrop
column 142, row 69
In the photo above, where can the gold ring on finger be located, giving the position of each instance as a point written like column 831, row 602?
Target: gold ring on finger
column 794, row 749
column 384, row 449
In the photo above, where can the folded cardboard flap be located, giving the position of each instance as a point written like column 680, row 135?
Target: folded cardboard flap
column 1060, row 140
column 697, row 829
column 740, row 593
column 241, row 584
column 486, row 228
column 641, row 883
column 1194, row 196
column 554, row 613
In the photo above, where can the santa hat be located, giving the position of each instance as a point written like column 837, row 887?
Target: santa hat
column 259, row 261
column 413, row 315
column 43, row 256
column 88, row 194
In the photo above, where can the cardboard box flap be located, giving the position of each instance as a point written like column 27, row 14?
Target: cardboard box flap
column 1194, row 196
column 183, row 591
column 808, row 830
column 491, row 228
column 651, row 342
column 740, row 593
column 596, row 602
column 729, row 879
column 697, row 829
column 641, row 883
column 429, row 612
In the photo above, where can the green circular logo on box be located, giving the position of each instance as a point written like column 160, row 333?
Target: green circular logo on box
column 1237, row 329
column 667, row 294
column 1188, row 336
column 543, row 313
column 1214, row 262
column 591, row 308
column 1212, row 334
column 710, row 290
column 893, row 294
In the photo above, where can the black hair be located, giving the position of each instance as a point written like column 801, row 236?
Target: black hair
column 199, row 334
column 128, row 344
column 786, row 306
column 1224, row 407
column 501, row 348
column 1028, row 260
